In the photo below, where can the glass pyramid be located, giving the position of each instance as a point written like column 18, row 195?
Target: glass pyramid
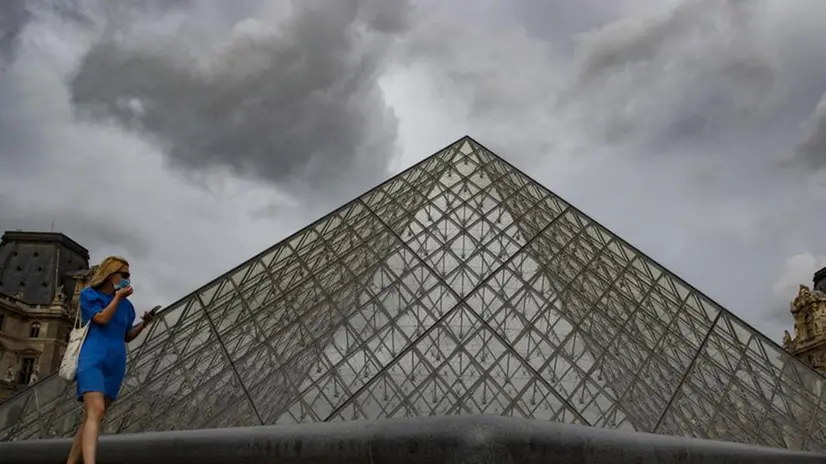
column 459, row 286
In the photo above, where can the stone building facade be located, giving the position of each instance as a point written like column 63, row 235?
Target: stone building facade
column 41, row 274
column 809, row 312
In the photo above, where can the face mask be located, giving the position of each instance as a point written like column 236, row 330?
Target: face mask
column 122, row 284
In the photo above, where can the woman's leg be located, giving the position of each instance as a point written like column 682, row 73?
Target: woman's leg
column 77, row 444
column 95, row 408
column 76, row 452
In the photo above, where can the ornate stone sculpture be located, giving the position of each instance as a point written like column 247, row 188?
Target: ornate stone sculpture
column 809, row 312
column 787, row 339
column 59, row 296
column 803, row 295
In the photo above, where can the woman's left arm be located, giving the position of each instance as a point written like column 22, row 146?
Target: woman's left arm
column 136, row 330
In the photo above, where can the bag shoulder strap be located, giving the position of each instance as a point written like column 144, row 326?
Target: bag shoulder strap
column 77, row 317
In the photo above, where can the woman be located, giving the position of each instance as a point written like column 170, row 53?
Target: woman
column 101, row 364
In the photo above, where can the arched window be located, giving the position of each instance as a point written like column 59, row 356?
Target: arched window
column 34, row 332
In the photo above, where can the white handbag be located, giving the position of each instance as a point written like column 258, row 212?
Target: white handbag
column 68, row 366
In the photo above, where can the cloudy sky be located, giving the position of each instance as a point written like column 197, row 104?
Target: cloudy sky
column 185, row 134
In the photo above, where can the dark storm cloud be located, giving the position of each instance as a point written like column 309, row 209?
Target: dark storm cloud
column 13, row 19
column 562, row 22
column 689, row 74
column 293, row 104
column 66, row 24
column 14, row 132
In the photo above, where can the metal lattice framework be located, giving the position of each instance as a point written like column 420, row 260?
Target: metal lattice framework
column 459, row 286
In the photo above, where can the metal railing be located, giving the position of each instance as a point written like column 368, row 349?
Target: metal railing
column 430, row 440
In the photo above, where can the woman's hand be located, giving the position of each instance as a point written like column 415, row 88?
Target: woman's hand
column 136, row 330
column 124, row 292
column 148, row 317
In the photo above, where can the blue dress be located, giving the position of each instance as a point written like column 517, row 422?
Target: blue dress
column 101, row 363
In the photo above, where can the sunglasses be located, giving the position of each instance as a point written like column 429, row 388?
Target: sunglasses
column 125, row 275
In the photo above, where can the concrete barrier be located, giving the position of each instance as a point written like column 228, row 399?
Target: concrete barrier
column 419, row 440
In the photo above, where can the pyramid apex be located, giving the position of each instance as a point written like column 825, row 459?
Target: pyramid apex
column 467, row 138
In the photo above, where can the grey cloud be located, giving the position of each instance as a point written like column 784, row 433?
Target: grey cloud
column 688, row 74
column 94, row 231
column 562, row 22
column 13, row 19
column 386, row 17
column 812, row 149
column 14, row 16
column 294, row 105
column 37, row 42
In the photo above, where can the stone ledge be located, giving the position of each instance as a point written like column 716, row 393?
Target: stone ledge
column 418, row 440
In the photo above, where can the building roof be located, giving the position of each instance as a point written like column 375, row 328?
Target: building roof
column 44, row 237
column 35, row 265
column 820, row 280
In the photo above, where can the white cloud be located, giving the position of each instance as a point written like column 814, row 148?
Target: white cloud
column 796, row 270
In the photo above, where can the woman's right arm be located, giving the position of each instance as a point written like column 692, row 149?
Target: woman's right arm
column 94, row 309
column 105, row 315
